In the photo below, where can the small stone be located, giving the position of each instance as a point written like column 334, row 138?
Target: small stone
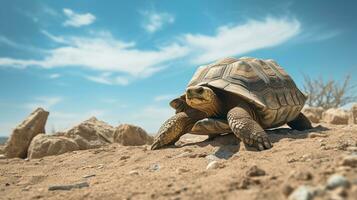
column 183, row 155
column 337, row 180
column 89, row 176
column 68, row 187
column 350, row 161
column 303, row 192
column 287, row 189
column 255, row 171
column 27, row 188
column 182, row 170
column 302, row 175
column 133, row 172
column 124, row 157
column 291, row 160
column 100, row 166
column 155, row 167
column 211, row 157
column 212, row 165
column 2, row 156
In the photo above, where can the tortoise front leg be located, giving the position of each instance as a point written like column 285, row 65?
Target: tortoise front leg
column 247, row 129
column 171, row 131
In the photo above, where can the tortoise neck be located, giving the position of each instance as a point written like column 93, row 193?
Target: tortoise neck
column 215, row 109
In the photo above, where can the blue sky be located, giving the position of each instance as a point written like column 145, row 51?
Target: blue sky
column 122, row 61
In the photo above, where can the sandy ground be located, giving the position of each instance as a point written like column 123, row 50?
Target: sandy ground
column 119, row 172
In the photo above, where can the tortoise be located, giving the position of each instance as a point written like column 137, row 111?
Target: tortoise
column 244, row 96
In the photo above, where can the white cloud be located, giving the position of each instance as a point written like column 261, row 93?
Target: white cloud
column 155, row 21
column 120, row 62
column 103, row 53
column 317, row 34
column 77, row 20
column 165, row 97
column 240, row 39
column 54, row 76
column 44, row 102
column 109, row 79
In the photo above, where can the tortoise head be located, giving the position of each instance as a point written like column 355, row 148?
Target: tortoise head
column 203, row 98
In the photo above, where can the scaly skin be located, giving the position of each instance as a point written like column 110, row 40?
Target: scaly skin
column 247, row 129
column 175, row 127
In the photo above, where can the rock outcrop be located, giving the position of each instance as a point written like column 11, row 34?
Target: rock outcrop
column 91, row 133
column 21, row 137
column 335, row 116
column 48, row 145
column 313, row 113
column 353, row 114
column 130, row 135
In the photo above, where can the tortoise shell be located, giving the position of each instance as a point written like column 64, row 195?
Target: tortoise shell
column 263, row 83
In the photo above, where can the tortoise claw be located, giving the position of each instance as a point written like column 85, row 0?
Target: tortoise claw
column 156, row 145
column 262, row 143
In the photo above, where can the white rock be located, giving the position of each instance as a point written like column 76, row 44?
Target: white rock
column 213, row 165
column 337, row 180
column 91, row 133
column 350, row 160
column 314, row 114
column 353, row 114
column 302, row 193
column 47, row 145
column 134, row 172
column 335, row 116
column 20, row 139
column 130, row 135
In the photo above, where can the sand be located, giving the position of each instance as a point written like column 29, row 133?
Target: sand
column 122, row 172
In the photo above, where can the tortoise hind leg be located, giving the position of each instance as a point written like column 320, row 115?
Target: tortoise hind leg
column 300, row 123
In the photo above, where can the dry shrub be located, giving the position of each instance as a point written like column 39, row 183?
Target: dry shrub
column 329, row 93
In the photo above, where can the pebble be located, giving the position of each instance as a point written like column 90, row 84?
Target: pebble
column 2, row 156
column 100, row 166
column 133, row 172
column 155, row 167
column 255, row 171
column 337, row 180
column 124, row 157
column 27, row 188
column 183, row 155
column 303, row 192
column 68, row 187
column 211, row 157
column 182, row 170
column 213, row 165
column 287, row 189
column 350, row 161
column 89, row 176
column 302, row 175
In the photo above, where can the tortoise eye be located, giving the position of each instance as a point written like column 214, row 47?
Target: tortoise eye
column 199, row 90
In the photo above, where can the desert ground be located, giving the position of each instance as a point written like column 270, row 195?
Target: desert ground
column 301, row 165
